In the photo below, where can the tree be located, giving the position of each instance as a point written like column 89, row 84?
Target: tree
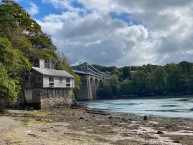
column 9, row 88
column 173, row 83
column 126, row 87
column 126, row 72
column 13, row 59
column 104, row 90
column 114, row 83
column 190, row 84
column 171, row 79
column 139, row 82
column 185, row 66
column 12, row 64
column 25, row 33
column 159, row 81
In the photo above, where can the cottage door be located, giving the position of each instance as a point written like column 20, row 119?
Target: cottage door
column 28, row 95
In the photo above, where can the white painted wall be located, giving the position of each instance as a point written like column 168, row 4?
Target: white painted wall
column 57, row 82
column 45, row 81
column 71, row 82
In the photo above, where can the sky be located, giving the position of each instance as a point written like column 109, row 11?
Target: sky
column 117, row 32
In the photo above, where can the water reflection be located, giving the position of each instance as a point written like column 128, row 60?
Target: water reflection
column 168, row 105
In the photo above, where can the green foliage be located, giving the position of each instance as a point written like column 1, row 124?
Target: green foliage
column 151, row 80
column 173, row 78
column 126, row 72
column 12, row 59
column 9, row 88
column 22, row 41
column 159, row 81
column 114, row 83
column 24, row 33
column 139, row 82
column 12, row 64
column 126, row 87
column 105, row 90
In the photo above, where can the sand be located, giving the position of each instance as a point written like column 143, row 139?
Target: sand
column 82, row 126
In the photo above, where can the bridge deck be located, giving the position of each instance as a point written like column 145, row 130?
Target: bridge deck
column 91, row 74
column 87, row 69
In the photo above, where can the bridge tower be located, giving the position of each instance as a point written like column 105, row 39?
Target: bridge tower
column 84, row 67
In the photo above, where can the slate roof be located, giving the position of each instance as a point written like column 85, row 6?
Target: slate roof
column 52, row 72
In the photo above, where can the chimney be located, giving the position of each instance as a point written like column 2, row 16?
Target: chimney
column 41, row 63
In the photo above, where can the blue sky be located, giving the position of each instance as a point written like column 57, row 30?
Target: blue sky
column 111, row 32
column 42, row 8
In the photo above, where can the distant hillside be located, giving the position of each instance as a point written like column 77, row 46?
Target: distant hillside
column 148, row 80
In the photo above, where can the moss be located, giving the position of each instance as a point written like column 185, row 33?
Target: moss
column 40, row 113
column 32, row 121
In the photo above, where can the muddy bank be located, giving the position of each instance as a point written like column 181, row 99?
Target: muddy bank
column 89, row 126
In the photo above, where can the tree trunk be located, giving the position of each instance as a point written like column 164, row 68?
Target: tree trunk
column 2, row 106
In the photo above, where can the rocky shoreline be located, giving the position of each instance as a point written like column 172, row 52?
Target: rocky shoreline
column 80, row 125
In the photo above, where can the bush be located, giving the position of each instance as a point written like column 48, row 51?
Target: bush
column 9, row 88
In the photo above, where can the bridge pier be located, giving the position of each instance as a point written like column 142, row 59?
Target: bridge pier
column 88, row 89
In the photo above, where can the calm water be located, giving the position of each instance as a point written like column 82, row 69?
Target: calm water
column 168, row 107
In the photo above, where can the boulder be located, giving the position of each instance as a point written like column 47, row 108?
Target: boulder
column 160, row 132
column 145, row 117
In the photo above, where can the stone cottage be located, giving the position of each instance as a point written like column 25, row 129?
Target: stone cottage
column 46, row 84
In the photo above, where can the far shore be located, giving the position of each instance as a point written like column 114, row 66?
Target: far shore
column 143, row 97
column 83, row 126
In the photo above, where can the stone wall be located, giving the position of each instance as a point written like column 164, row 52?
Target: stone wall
column 57, row 102
column 54, row 101
column 41, row 99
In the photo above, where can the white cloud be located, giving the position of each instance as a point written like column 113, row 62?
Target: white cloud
column 34, row 9
column 99, row 39
column 161, row 31
column 59, row 3
column 65, row 16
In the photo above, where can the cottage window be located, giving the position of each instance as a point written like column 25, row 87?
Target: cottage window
column 68, row 82
column 38, row 79
column 60, row 79
column 51, row 79
column 26, row 78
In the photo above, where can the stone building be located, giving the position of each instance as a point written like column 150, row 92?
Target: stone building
column 43, row 84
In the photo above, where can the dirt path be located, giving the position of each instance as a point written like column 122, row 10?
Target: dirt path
column 91, row 127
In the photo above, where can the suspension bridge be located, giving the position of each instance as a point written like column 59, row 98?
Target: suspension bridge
column 91, row 79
